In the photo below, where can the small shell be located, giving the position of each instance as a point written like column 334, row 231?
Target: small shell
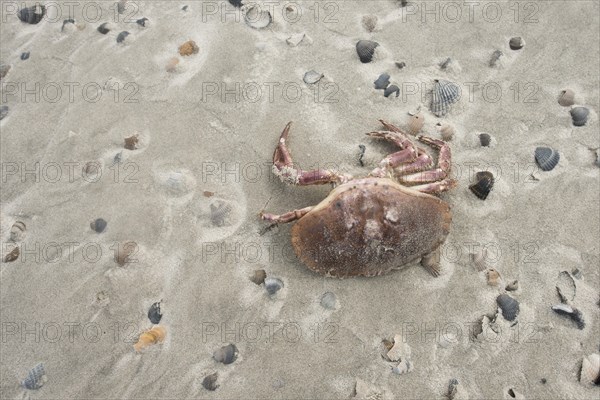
column 65, row 22
column 273, row 285
column 516, row 43
column 452, row 389
column 219, row 213
column 445, row 93
column 444, row 64
column 365, row 50
column 512, row 286
column 153, row 336
column 210, row 382
column 493, row 277
column 496, row 55
column 131, row 142
column 415, row 123
column 4, row 68
column 566, row 287
column 399, row 351
column 226, row 354
column 400, row 64
column 369, row 22
column 484, row 182
column 35, row 378
column 172, row 64
column 579, row 115
column 312, row 77
column 296, row 39
column 12, row 255
column 257, row 18
column 98, row 225
column 446, row 130
column 485, row 139
column 121, row 6
column 328, row 301
column 509, row 307
column 103, row 29
column 25, row 55
column 391, row 89
column 383, row 81
column 258, row 276
column 3, row 112
column 188, row 48
column 571, row 312
column 547, row 158
column 566, row 98
column 121, row 36
column 142, row 21
column 17, row 231
column 235, row 3
column 124, row 250
column 154, row 314
column 479, row 260
column 576, row 272
column 590, row 369
column 32, row 15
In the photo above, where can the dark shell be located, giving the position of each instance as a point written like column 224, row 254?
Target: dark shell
column 67, row 21
column 226, row 354
column 32, row 15
column 35, row 378
column 484, row 182
column 444, row 64
column 382, row 82
column 485, row 139
column 12, row 255
column 184, row 8
column 400, row 64
column 236, row 3
column 121, row 5
column 391, row 89
column 445, row 93
column 573, row 313
column 210, row 382
column 142, row 21
column 273, row 285
column 547, row 158
column 25, row 55
column 3, row 112
column 121, row 37
column 516, row 43
column 579, row 115
column 258, row 276
column 509, row 306
column 98, row 225
column 369, row 227
column 103, row 29
column 365, row 50
column 154, row 314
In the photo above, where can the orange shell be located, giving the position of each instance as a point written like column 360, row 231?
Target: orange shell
column 155, row 335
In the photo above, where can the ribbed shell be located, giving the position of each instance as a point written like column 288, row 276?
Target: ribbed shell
column 445, row 93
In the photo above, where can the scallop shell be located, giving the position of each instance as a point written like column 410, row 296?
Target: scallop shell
column 496, row 55
column 32, row 15
column 210, row 382
column 579, row 115
column 121, row 36
column 571, row 312
column 328, row 301
column 142, row 21
column 547, row 158
column 446, row 130
column 369, row 22
column 258, row 276
column 512, row 286
column 98, row 225
column 226, row 354
column 493, row 277
column 35, row 378
column 391, row 89
column 590, row 369
column 445, row 93
column 415, row 123
column 219, row 213
column 124, row 250
column 484, row 182
column 154, row 314
column 17, row 231
column 485, row 139
column 273, row 285
column 365, row 50
column 509, row 307
column 3, row 112
column 566, row 287
column 257, row 18
column 188, row 48
column 103, row 29
column 566, row 98
column 312, row 77
column 12, row 255
column 153, row 336
column 516, row 43
column 383, row 81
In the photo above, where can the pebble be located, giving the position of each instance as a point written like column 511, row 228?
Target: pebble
column 24, row 55
column 98, row 225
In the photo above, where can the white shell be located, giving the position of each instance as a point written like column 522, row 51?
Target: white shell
column 590, row 369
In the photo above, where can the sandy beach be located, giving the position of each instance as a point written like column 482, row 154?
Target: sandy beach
column 174, row 153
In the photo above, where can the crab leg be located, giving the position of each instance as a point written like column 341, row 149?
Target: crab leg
column 444, row 163
column 436, row 187
column 407, row 154
column 283, row 167
column 422, row 162
column 287, row 217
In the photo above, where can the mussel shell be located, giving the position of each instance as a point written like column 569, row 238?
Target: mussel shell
column 121, row 36
column 484, row 182
column 103, row 28
column 509, row 307
column 516, row 43
column 383, row 81
column 485, row 139
column 566, row 98
column 257, row 18
column 226, row 354
column 312, row 77
column 32, row 15
column 154, row 313
column 547, row 158
column 391, row 89
column 3, row 112
column 365, row 50
column 35, row 378
column 273, row 285
column 445, row 93
column 210, row 382
column 579, row 115
column 98, row 225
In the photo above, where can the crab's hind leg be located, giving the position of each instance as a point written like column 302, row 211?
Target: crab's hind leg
column 395, row 135
column 431, row 262
column 283, row 167
column 287, row 217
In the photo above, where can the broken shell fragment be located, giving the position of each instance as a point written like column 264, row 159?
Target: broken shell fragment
column 298, row 38
column 258, row 276
column 485, row 139
column 124, row 250
column 566, row 98
column 65, row 22
column 391, row 89
column 312, row 77
column 103, row 29
column 579, row 115
column 154, row 314
column 273, row 285
column 547, row 158
column 153, row 336
column 382, row 82
column 516, row 43
column 226, row 354
column 493, row 277
column 12, row 255
column 369, row 22
column 328, row 301
column 121, row 36
column 35, row 378
column 210, row 382
column 444, row 64
column 365, row 50
column 257, row 18
column 512, row 286
column 188, row 48
column 446, row 130
column 399, row 350
column 219, row 213
column 98, row 225
column 484, row 182
column 32, row 15
column 571, row 312
column 495, row 58
column 590, row 369
column 566, row 287
column 479, row 260
column 4, row 68
column 3, row 112
column 17, row 231
column 400, row 64
column 131, row 142
column 142, row 21
column 445, row 93
column 509, row 307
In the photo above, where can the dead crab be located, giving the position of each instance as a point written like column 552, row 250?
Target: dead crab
column 370, row 226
